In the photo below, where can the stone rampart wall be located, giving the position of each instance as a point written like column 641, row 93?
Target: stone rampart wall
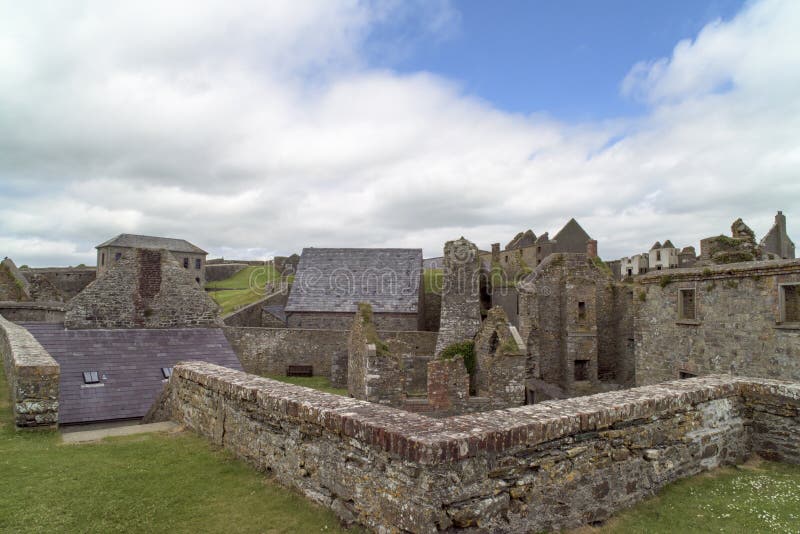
column 34, row 312
column 270, row 350
column 554, row 465
column 68, row 280
column 223, row 271
column 32, row 376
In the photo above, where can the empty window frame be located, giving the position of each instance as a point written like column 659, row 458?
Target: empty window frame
column 166, row 372
column 658, row 255
column 91, row 377
column 686, row 374
column 197, row 263
column 581, row 370
column 185, row 263
column 581, row 312
column 103, row 258
column 686, row 304
column 790, row 303
column 117, row 256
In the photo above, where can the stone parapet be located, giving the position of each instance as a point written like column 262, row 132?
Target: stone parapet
column 548, row 466
column 32, row 374
column 719, row 272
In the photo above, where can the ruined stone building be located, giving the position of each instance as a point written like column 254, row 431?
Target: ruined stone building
column 577, row 325
column 526, row 251
column 777, row 244
column 662, row 257
column 330, row 282
column 192, row 258
column 634, row 265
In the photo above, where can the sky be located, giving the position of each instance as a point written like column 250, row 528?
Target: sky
column 253, row 129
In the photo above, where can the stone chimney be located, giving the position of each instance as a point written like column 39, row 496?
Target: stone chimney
column 495, row 253
column 591, row 248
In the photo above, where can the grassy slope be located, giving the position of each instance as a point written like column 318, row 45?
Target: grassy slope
column 149, row 483
column 239, row 293
column 320, row 383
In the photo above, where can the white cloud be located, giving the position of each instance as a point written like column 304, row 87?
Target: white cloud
column 260, row 128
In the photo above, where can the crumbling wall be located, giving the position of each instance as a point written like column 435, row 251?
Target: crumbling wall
column 144, row 289
column 544, row 467
column 500, row 362
column 32, row 375
column 13, row 285
column 736, row 328
column 68, row 281
column 461, row 305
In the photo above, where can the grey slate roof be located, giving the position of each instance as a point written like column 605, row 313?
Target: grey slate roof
column 130, row 362
column 337, row 279
column 147, row 241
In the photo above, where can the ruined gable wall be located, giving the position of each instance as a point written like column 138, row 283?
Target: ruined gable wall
column 461, row 307
column 32, row 374
column 144, row 289
column 545, row 467
column 736, row 330
column 13, row 285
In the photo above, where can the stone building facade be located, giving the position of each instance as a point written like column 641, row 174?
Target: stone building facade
column 144, row 288
column 577, row 325
column 190, row 257
column 741, row 318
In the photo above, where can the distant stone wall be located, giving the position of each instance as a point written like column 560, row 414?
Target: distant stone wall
column 461, row 301
column 545, row 467
column 508, row 299
column 33, row 312
column 32, row 375
column 222, row 271
column 341, row 321
column 736, row 329
column 268, row 351
column 432, row 310
column 252, row 315
column 69, row 281
column 145, row 289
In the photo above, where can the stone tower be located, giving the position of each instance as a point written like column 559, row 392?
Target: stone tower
column 461, row 302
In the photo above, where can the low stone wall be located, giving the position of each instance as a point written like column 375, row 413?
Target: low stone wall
column 549, row 466
column 32, row 375
column 33, row 312
column 252, row 314
column 68, row 280
column 270, row 350
column 222, row 271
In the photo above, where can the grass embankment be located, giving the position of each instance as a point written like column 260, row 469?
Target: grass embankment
column 243, row 288
column 146, row 483
column 433, row 280
column 755, row 497
column 320, row 383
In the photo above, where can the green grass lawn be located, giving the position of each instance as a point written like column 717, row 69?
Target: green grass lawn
column 320, row 383
column 256, row 275
column 233, row 299
column 755, row 497
column 433, row 280
column 147, row 483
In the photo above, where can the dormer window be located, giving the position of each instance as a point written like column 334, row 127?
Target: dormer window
column 91, row 377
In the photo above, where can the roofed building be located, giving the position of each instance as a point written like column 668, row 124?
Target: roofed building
column 330, row 282
column 190, row 256
column 109, row 375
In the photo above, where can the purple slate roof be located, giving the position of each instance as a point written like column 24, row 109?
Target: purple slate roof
column 129, row 363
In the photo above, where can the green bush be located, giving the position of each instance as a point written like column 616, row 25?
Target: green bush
column 465, row 350
column 665, row 280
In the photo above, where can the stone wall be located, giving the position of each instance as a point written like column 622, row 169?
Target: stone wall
column 33, row 312
column 32, row 375
column 432, row 310
column 13, row 285
column 144, row 289
column 252, row 314
column 461, row 303
column 736, row 328
column 500, row 358
column 341, row 321
column 69, row 281
column 508, row 299
column 543, row 467
column 268, row 351
column 223, row 271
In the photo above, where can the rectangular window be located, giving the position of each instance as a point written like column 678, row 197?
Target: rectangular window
column 117, row 256
column 790, row 303
column 185, row 263
column 91, row 377
column 630, row 272
column 581, row 311
column 684, row 374
column 658, row 255
column 166, row 372
column 581, row 370
column 197, row 263
column 103, row 258
column 686, row 305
